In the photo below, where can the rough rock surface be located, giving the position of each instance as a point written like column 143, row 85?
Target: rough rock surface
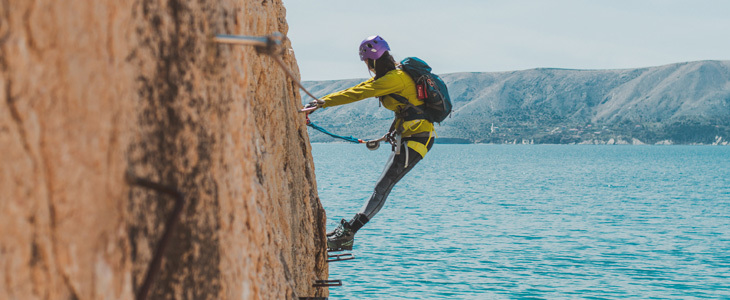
column 91, row 90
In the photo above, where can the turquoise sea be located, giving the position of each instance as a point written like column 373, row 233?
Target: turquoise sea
column 535, row 222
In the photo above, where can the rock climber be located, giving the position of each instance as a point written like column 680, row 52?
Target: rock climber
column 411, row 134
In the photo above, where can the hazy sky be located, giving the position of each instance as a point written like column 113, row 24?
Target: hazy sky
column 488, row 36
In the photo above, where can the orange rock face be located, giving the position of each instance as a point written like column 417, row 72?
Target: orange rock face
column 92, row 90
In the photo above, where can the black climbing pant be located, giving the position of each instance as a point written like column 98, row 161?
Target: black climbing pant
column 394, row 170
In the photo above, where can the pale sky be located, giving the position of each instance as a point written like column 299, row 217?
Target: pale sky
column 491, row 36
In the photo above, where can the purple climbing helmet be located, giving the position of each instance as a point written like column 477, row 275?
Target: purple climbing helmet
column 373, row 48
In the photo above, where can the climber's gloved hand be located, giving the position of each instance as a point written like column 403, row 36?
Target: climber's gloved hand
column 318, row 103
column 312, row 106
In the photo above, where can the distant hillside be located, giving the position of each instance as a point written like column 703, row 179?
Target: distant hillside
column 684, row 103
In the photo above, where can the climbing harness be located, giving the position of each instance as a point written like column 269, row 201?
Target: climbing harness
column 272, row 45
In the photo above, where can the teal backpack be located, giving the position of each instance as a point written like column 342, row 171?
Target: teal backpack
column 429, row 87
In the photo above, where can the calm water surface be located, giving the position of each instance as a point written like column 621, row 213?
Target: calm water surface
column 535, row 222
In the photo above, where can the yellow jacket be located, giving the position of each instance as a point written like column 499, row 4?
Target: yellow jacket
column 394, row 82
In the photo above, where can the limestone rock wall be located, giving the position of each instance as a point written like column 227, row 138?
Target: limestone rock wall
column 91, row 90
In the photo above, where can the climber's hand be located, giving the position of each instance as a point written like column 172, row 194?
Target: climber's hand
column 312, row 106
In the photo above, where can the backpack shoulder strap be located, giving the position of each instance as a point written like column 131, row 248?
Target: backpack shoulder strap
column 400, row 99
column 410, row 111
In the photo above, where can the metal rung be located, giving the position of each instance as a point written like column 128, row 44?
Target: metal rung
column 340, row 257
column 327, row 283
column 241, row 40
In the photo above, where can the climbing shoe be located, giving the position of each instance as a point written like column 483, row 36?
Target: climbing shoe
column 343, row 237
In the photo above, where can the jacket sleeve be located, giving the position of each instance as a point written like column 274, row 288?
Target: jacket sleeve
column 370, row 88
